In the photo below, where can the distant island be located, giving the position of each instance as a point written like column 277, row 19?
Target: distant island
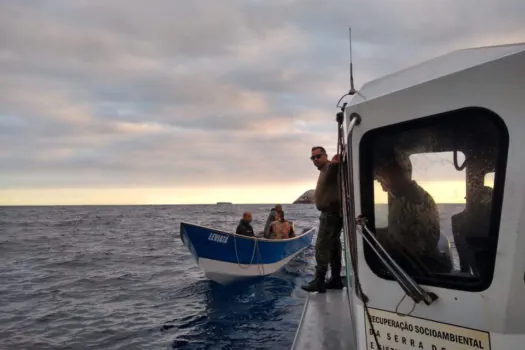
column 219, row 203
column 306, row 198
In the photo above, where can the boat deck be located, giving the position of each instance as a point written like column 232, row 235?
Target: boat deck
column 325, row 323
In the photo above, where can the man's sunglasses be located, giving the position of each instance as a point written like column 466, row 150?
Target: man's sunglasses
column 317, row 156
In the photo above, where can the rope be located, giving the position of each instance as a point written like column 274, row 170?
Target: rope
column 259, row 265
column 255, row 248
column 399, row 304
column 348, row 200
column 237, row 253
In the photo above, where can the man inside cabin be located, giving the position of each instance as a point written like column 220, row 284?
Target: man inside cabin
column 471, row 229
column 328, row 202
column 413, row 231
column 281, row 228
column 245, row 228
column 272, row 217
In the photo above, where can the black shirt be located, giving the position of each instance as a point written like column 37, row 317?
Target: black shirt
column 245, row 229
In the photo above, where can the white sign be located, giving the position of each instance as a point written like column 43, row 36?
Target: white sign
column 396, row 332
column 215, row 237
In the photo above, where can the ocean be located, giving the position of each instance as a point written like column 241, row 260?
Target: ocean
column 118, row 277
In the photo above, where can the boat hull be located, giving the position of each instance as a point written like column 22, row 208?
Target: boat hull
column 227, row 257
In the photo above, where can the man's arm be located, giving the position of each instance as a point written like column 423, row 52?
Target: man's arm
column 292, row 231
column 334, row 166
column 270, row 230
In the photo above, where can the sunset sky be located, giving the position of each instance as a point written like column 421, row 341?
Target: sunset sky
column 170, row 102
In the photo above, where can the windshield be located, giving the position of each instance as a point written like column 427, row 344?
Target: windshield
column 432, row 190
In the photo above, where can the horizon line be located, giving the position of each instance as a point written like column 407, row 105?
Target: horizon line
column 163, row 205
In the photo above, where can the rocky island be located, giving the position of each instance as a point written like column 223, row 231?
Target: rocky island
column 306, row 198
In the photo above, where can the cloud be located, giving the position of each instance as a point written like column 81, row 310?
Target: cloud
column 180, row 93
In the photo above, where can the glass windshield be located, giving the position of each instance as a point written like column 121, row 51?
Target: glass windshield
column 435, row 197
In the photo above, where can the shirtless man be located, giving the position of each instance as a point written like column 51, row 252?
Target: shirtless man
column 281, row 228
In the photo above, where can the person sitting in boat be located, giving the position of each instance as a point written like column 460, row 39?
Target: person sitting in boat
column 245, row 228
column 413, row 230
column 272, row 217
column 281, row 228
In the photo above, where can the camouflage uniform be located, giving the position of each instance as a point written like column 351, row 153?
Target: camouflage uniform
column 413, row 222
column 413, row 232
column 328, row 244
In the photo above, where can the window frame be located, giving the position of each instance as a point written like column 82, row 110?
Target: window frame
column 366, row 162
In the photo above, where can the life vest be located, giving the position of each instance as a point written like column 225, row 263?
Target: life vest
column 281, row 229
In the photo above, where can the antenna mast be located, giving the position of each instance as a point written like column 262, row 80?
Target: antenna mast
column 352, row 88
column 352, row 91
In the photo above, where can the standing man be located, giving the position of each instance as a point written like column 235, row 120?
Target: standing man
column 328, row 202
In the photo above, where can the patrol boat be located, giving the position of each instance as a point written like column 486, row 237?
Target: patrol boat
column 459, row 119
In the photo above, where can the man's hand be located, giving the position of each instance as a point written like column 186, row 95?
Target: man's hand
column 336, row 159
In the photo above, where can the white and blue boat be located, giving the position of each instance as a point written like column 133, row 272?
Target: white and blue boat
column 227, row 257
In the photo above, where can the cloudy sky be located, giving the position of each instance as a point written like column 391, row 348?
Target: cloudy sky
column 200, row 101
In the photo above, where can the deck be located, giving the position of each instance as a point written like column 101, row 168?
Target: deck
column 325, row 323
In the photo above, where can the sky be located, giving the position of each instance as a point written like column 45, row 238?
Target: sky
column 171, row 101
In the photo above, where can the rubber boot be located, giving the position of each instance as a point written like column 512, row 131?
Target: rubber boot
column 318, row 283
column 335, row 280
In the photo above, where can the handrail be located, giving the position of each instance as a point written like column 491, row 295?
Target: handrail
column 393, row 267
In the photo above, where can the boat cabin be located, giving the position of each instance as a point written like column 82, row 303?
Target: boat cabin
column 455, row 126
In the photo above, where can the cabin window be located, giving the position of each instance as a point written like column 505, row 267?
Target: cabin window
column 432, row 190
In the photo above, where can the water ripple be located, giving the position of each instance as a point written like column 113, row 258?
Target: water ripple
column 119, row 277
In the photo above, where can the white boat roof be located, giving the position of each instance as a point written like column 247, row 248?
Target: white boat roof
column 435, row 68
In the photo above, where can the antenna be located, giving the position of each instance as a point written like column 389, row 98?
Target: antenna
column 352, row 91
column 352, row 88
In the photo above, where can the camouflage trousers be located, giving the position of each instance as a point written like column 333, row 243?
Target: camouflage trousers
column 328, row 244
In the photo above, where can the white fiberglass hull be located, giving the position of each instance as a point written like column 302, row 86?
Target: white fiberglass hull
column 226, row 272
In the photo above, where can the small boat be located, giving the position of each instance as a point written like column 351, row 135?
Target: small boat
column 227, row 257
